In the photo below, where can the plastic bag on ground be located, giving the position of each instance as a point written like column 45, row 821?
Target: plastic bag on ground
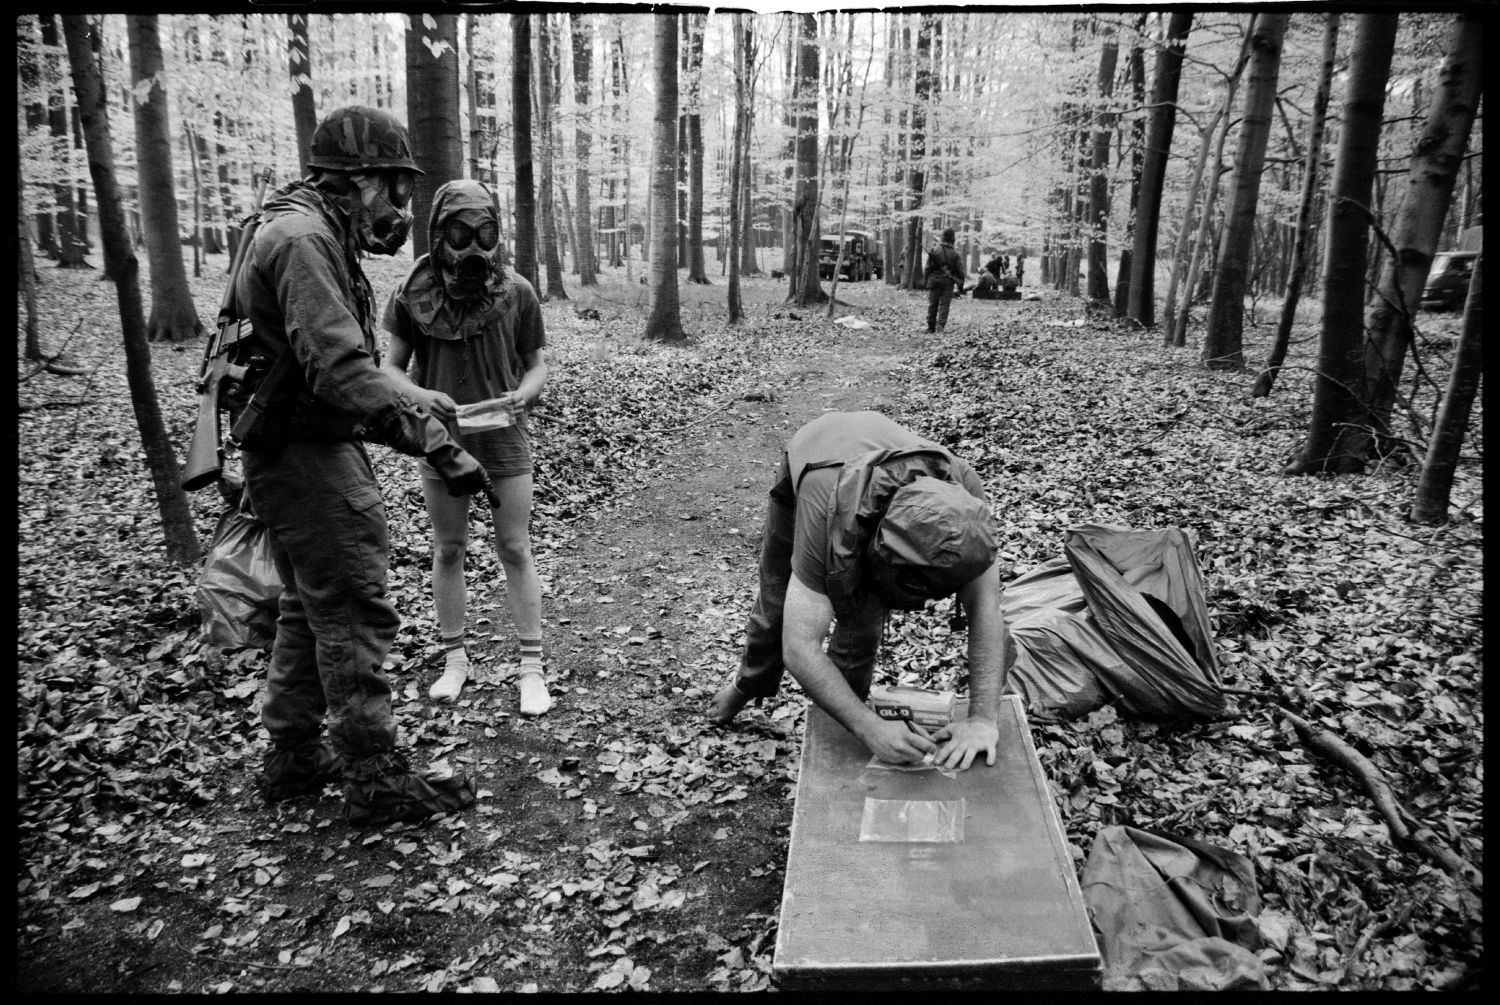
column 239, row 587
column 1173, row 914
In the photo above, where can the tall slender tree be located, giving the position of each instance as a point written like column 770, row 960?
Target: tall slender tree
column 1310, row 179
column 665, row 322
column 432, row 102
column 1137, row 71
column 173, row 315
column 1332, row 443
column 1142, row 304
column 520, row 112
column 545, row 204
column 1435, row 487
column 72, row 233
column 121, row 264
column 917, row 146
column 1104, row 124
column 1223, row 345
column 737, row 169
column 583, row 54
column 300, row 70
column 805, row 286
column 697, row 271
column 1430, row 182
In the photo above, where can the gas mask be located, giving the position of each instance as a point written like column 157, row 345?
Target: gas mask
column 467, row 252
column 381, row 218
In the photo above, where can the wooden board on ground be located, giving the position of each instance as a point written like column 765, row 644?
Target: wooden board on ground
column 903, row 879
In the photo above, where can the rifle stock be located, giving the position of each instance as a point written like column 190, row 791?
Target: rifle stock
column 205, row 455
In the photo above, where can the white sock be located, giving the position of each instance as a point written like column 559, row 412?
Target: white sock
column 455, row 673
column 529, row 679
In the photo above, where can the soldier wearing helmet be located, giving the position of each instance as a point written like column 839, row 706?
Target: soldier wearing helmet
column 865, row 517
column 473, row 331
column 318, row 393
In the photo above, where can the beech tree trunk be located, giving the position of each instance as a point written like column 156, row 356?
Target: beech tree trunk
column 804, row 285
column 520, row 110
column 583, row 54
column 1305, row 210
column 71, row 245
column 1137, row 65
column 917, row 147
column 304, row 101
column 697, row 270
column 173, row 315
column 1429, row 191
column 1104, row 122
column 1337, row 409
column 1142, row 304
column 665, row 322
column 432, row 114
column 1436, row 484
column 177, row 519
column 1223, row 345
column 737, row 170
column 546, row 66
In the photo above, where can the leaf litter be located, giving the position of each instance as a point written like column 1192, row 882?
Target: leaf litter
column 621, row 845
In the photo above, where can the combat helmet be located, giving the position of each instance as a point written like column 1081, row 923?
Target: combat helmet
column 357, row 137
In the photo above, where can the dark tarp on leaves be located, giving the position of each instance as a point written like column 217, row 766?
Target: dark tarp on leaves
column 1173, row 914
column 1120, row 617
column 239, row 586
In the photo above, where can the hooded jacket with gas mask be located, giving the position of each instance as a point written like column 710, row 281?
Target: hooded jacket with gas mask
column 326, row 384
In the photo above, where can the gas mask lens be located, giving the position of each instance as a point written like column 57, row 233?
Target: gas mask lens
column 403, row 184
column 459, row 234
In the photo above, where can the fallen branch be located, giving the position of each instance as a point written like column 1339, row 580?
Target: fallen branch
column 239, row 963
column 1417, row 837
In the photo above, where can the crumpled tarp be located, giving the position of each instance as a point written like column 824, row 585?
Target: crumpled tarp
column 1173, row 914
column 1120, row 617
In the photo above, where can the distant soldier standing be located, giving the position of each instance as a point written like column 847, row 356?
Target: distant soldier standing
column 943, row 276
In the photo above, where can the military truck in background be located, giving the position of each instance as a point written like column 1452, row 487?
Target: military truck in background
column 861, row 257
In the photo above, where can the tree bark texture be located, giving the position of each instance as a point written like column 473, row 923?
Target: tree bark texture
column 1337, row 408
column 173, row 316
column 520, row 110
column 1435, row 486
column 664, row 322
column 546, row 206
column 1142, row 304
column 432, row 113
column 1104, row 123
column 1315, row 130
column 697, row 270
column 583, row 53
column 300, row 70
column 737, row 170
column 805, row 286
column 177, row 519
column 917, row 152
column 1435, row 163
column 1137, row 68
column 1223, row 344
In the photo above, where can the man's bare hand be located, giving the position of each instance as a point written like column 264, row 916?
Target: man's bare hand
column 964, row 740
column 893, row 742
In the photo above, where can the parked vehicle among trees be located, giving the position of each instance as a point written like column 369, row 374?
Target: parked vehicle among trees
column 861, row 257
column 1448, row 280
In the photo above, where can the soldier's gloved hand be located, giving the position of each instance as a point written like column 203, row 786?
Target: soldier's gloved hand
column 461, row 473
column 414, row 432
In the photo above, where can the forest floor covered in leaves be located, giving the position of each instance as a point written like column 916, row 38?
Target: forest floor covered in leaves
column 619, row 843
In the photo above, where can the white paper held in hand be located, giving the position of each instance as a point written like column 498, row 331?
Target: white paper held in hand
column 492, row 413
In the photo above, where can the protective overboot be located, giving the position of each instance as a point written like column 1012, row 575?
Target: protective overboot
column 383, row 788
column 292, row 772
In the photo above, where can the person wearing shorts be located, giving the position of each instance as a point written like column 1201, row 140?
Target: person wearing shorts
column 471, row 331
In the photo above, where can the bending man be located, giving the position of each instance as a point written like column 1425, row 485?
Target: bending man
column 866, row 516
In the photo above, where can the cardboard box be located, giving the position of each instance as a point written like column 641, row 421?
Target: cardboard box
column 928, row 709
